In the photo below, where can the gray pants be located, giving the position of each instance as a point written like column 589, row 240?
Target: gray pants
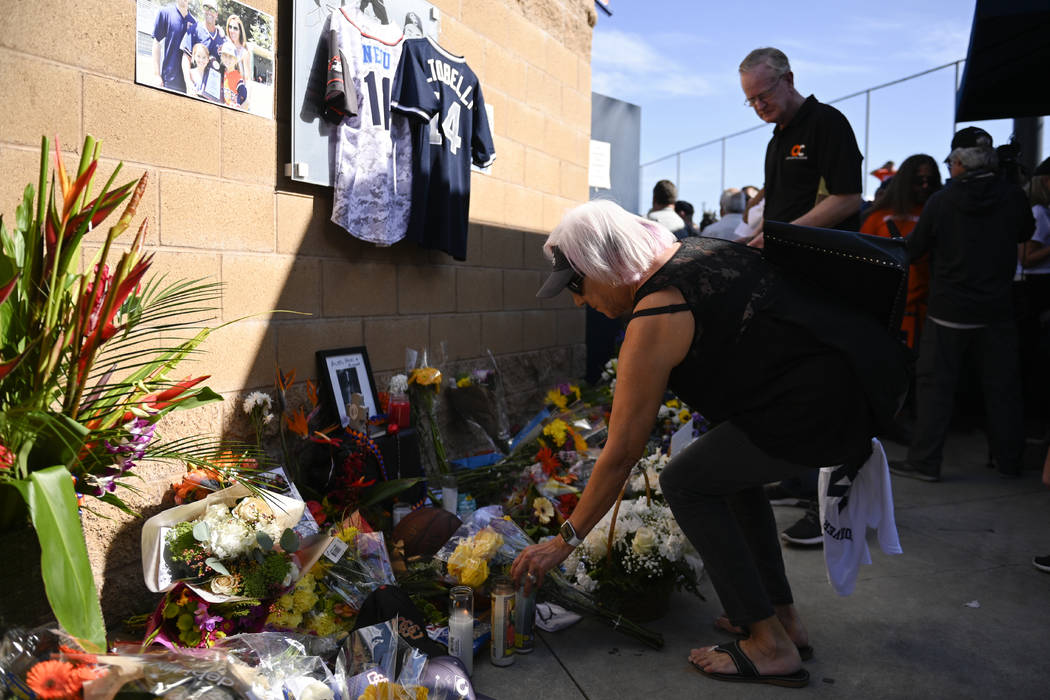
column 714, row 488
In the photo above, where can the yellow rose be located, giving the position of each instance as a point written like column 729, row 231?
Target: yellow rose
column 486, row 543
column 475, row 573
column 466, row 567
column 425, row 376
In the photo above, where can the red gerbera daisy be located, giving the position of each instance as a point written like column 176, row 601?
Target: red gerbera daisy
column 54, row 680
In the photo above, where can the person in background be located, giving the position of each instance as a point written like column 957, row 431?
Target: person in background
column 1034, row 323
column 813, row 148
column 234, row 89
column 207, row 32
column 709, row 319
column 665, row 194
column 172, row 25
column 971, row 229
column 731, row 210
column 899, row 206
column 685, row 210
column 236, row 35
column 198, row 73
column 751, row 223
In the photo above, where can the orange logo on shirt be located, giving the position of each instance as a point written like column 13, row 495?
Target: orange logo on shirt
column 798, row 150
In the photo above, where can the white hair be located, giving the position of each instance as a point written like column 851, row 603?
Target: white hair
column 605, row 242
column 975, row 158
column 774, row 58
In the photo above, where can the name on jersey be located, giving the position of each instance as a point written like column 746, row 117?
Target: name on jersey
column 441, row 72
column 374, row 54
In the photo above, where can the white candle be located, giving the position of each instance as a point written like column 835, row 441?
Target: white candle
column 449, row 498
column 461, row 638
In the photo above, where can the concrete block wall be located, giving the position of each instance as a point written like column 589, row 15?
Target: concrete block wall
column 219, row 208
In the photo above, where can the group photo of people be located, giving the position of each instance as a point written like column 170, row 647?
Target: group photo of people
column 220, row 51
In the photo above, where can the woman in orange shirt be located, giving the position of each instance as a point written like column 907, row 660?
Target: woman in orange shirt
column 900, row 204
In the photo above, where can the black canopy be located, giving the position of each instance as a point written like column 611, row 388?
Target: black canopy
column 1005, row 74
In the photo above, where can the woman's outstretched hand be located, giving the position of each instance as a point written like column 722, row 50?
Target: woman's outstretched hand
column 532, row 565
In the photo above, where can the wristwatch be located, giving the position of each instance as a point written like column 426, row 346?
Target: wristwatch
column 568, row 533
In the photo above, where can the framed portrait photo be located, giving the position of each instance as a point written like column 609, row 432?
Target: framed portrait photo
column 345, row 372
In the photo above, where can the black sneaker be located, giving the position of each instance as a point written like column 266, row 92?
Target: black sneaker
column 780, row 496
column 1042, row 563
column 806, row 532
column 901, row 468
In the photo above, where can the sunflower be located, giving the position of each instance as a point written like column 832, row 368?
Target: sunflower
column 52, row 680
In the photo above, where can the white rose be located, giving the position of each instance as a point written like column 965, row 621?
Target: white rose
column 597, row 544
column 225, row 585
column 252, row 510
column 644, row 540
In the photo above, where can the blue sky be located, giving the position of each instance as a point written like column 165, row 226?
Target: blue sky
column 678, row 60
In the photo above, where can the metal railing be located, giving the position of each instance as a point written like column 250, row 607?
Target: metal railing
column 723, row 140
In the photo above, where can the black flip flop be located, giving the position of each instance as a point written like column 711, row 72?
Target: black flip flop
column 805, row 651
column 747, row 673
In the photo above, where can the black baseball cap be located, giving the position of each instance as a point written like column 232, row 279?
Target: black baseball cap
column 1043, row 168
column 560, row 276
column 971, row 137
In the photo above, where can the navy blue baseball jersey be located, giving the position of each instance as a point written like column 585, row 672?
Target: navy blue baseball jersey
column 450, row 130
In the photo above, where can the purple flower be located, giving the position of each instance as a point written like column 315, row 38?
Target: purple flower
column 204, row 620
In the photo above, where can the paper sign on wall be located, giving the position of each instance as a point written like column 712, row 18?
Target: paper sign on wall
column 601, row 158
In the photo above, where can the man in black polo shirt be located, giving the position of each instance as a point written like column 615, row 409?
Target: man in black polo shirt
column 813, row 173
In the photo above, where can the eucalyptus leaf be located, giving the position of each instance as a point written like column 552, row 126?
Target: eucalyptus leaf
column 201, row 531
column 264, row 540
column 289, row 540
column 216, row 564
column 259, row 556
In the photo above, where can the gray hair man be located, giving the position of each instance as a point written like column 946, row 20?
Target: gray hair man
column 971, row 229
column 731, row 213
column 812, row 152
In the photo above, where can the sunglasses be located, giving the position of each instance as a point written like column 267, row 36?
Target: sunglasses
column 575, row 285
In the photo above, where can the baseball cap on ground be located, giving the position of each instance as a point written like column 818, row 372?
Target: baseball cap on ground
column 971, row 137
column 1043, row 168
column 560, row 276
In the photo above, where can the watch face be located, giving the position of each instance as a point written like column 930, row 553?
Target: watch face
column 568, row 532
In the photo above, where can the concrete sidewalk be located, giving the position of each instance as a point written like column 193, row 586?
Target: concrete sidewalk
column 961, row 614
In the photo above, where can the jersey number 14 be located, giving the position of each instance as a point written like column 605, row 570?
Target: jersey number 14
column 449, row 127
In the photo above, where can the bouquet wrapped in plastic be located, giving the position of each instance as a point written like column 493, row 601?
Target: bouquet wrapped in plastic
column 487, row 541
column 478, row 397
column 232, row 545
column 326, row 600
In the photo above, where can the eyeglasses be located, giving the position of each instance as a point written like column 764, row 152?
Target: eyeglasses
column 575, row 285
column 764, row 95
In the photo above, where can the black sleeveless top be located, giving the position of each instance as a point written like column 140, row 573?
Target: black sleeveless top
column 796, row 395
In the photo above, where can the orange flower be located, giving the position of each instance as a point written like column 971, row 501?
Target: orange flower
column 311, row 392
column 53, row 680
column 578, row 442
column 548, row 460
column 298, row 423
